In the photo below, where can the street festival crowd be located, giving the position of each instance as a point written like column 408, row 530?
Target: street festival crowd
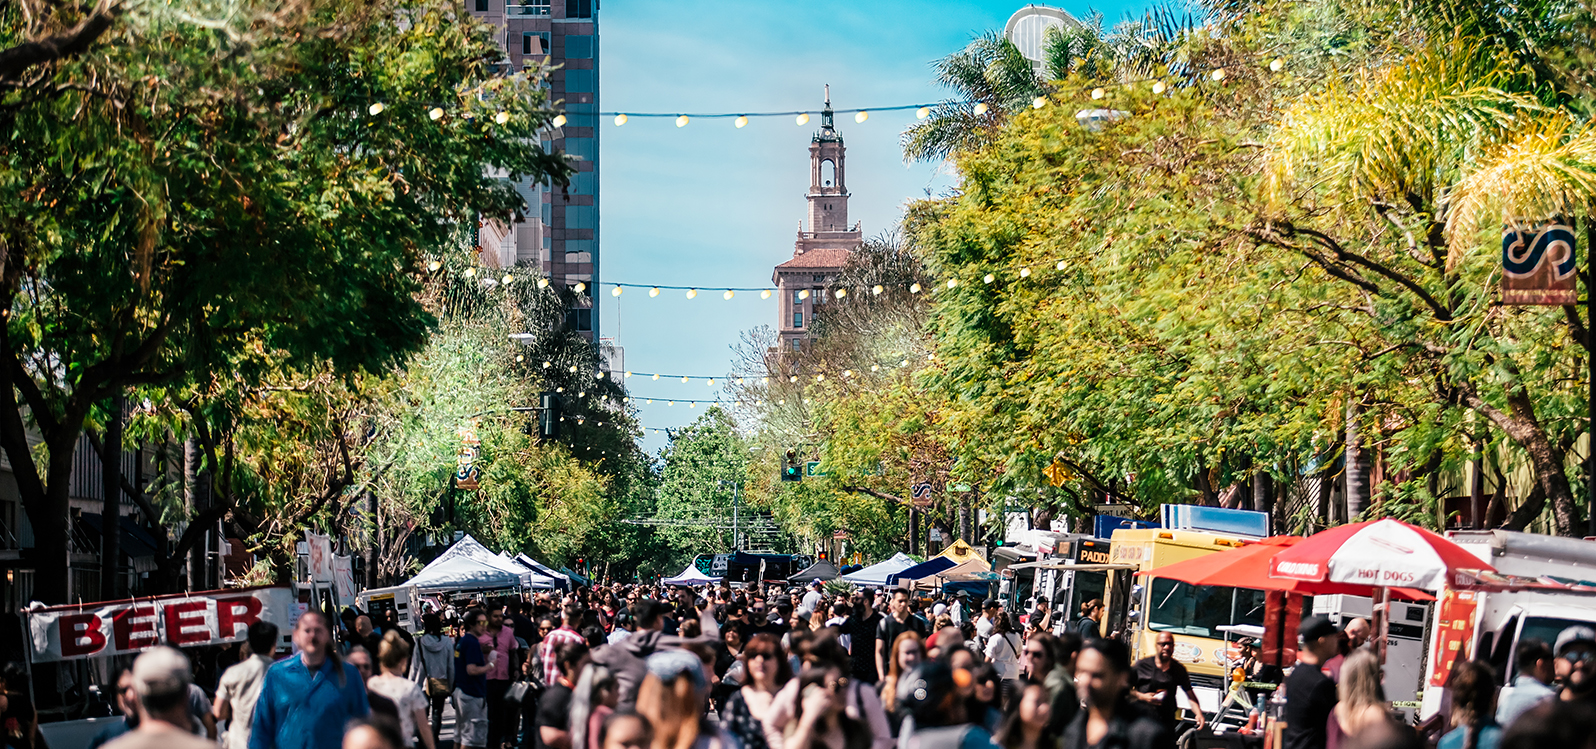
column 640, row 667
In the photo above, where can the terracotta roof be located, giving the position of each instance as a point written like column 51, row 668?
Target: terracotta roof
column 817, row 259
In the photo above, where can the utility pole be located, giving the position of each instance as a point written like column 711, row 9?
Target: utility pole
column 1590, row 372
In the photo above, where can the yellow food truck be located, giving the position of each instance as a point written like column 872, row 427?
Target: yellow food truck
column 1140, row 607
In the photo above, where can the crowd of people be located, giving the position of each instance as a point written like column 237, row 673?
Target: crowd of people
column 636, row 667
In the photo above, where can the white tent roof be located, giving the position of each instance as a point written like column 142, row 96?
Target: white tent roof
column 462, row 573
column 690, row 576
column 473, row 550
column 875, row 576
column 540, row 579
column 543, row 568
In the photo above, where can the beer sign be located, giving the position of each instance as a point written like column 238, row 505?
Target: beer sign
column 104, row 628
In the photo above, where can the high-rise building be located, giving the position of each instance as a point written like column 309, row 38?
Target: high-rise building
column 821, row 252
column 560, row 233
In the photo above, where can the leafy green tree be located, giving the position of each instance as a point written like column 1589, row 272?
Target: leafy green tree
column 188, row 200
column 697, row 470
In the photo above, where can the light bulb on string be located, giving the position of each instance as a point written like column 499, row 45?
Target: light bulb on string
column 656, row 377
column 904, row 363
column 376, row 109
column 1098, row 93
column 615, row 291
column 507, row 280
column 620, row 120
column 764, row 380
column 803, row 119
column 922, row 113
column 1060, row 265
column 728, row 295
column 861, row 117
column 692, row 293
column 654, row 291
column 1276, row 65
column 820, row 378
column 546, row 364
column 876, row 290
column 469, row 272
column 765, row 294
column 559, row 120
column 980, row 108
column 803, row 294
column 598, row 375
column 1158, row 87
column 519, row 358
column 712, row 382
column 501, row 117
column 953, row 282
column 847, row 373
column 436, row 113
column 742, row 121
column 875, row 367
column 579, row 287
column 434, row 266
column 684, row 379
column 1038, row 103
column 681, row 121
column 1025, row 273
column 989, row 278
column 1218, row 74
column 628, row 374
column 794, row 378
column 914, row 288
column 841, row 293
column 573, row 369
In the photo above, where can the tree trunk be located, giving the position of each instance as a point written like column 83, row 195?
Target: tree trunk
column 1357, row 464
column 196, row 486
column 1205, row 490
column 111, row 515
column 1521, row 425
column 965, row 530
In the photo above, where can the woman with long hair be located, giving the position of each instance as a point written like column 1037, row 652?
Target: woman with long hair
column 907, row 652
column 765, row 671
column 393, row 655
column 822, row 720
column 1360, row 698
column 1473, row 708
column 1003, row 652
column 594, row 698
column 672, row 697
column 432, row 666
column 1028, row 723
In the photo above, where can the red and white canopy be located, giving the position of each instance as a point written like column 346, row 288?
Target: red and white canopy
column 1377, row 552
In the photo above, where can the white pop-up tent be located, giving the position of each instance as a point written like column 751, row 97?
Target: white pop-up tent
column 690, row 576
column 471, row 549
column 461, row 573
column 563, row 580
column 875, row 576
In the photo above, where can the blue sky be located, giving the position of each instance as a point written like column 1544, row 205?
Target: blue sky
column 714, row 206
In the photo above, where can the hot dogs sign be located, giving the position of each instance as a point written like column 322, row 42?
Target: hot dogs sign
column 115, row 627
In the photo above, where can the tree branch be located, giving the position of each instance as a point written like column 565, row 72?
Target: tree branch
column 16, row 60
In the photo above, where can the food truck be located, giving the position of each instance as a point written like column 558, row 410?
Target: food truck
column 1542, row 585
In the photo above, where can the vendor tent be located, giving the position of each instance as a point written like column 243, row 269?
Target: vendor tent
column 875, row 576
column 559, row 577
column 960, row 552
column 821, row 570
column 973, row 570
column 924, row 569
column 461, row 573
column 690, row 576
column 469, row 548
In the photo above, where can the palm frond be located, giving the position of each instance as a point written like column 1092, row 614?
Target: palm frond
column 1548, row 168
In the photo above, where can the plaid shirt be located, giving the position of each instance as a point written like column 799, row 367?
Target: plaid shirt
column 551, row 669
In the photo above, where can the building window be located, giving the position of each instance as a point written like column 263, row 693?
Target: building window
column 582, row 148
column 797, row 344
column 482, row 6
column 579, row 81
column 581, row 217
column 584, row 183
column 580, row 320
column 578, row 47
column 797, row 319
column 535, row 43
column 796, row 299
column 819, row 279
column 578, row 8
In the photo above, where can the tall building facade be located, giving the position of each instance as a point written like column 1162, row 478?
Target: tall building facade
column 820, row 253
column 560, row 233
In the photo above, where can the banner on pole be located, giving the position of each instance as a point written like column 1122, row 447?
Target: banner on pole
column 91, row 630
column 1539, row 264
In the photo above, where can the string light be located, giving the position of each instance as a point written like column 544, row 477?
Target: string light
column 742, row 121
column 1098, row 93
column 559, row 120
column 435, row 114
column 1038, row 102
column 1158, row 87
column 507, row 280
column 861, row 116
column 1025, row 273
column 803, row 294
column 876, row 290
column 914, row 288
column 1218, row 74
column 654, row 291
column 989, row 278
column 620, row 120
column 952, row 282
column 803, row 118
column 1060, row 265
column 469, row 272
column 681, row 121
column 615, row 291
column 543, row 283
column 434, row 266
column 980, row 108
column 1276, row 65
column 692, row 293
column 376, row 108
column 579, row 287
column 728, row 295
column 922, row 113
column 501, row 117
column 764, row 294
column 842, row 293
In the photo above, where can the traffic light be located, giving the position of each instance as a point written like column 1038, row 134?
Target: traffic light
column 549, row 416
column 792, row 470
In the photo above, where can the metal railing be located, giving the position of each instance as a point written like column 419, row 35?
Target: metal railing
column 531, row 9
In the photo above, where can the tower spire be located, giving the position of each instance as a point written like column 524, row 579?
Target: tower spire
column 828, row 125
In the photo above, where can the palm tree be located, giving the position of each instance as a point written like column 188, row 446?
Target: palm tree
column 990, row 79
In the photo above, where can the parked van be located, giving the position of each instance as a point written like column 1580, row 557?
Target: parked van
column 1488, row 618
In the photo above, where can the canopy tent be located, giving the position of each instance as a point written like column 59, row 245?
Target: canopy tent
column 469, row 548
column 970, row 571
column 461, row 573
column 875, row 576
column 1248, row 567
column 540, row 578
column 560, row 577
column 821, row 570
column 924, row 569
column 961, row 552
column 573, row 576
column 1377, row 553
column 691, row 576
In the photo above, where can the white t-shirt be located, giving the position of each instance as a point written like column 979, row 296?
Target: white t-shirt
column 407, row 696
column 240, row 688
column 810, row 601
column 1004, row 653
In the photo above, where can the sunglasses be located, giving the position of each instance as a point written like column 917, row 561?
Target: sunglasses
column 1577, row 656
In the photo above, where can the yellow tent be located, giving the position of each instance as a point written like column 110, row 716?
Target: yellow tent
column 961, row 552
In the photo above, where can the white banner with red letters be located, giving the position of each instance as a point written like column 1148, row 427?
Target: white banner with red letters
column 211, row 617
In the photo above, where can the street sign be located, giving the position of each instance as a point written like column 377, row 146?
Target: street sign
column 1123, row 511
column 812, row 469
column 920, row 493
column 1539, row 264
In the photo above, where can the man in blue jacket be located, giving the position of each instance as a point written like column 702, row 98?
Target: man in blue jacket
column 306, row 700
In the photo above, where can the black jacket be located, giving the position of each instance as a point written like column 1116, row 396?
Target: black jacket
column 1133, row 727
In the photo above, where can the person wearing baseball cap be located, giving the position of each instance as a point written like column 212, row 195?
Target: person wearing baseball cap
column 160, row 683
column 1310, row 695
column 1576, row 662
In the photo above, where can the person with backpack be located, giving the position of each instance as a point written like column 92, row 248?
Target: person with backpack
column 432, row 667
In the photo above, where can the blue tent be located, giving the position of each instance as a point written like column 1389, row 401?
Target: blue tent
column 924, row 569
